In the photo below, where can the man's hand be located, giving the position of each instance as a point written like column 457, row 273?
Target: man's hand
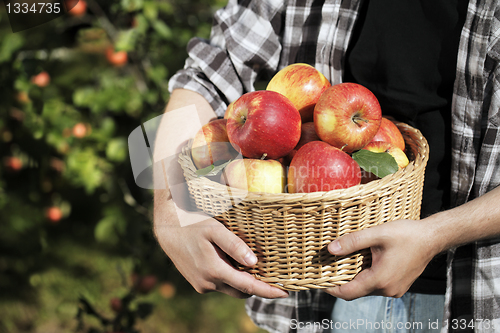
column 401, row 249
column 200, row 252
column 400, row 252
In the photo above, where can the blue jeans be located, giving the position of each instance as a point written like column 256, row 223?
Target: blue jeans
column 417, row 313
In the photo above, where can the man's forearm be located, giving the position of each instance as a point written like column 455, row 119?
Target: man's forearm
column 171, row 136
column 476, row 220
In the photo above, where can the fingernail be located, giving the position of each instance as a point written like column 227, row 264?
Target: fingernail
column 284, row 295
column 250, row 259
column 334, row 247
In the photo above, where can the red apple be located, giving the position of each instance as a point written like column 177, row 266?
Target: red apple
column 144, row 284
column 347, row 116
column 307, row 134
column 318, row 166
column 76, row 7
column 211, row 144
column 396, row 152
column 389, row 132
column 116, row 304
column 54, row 214
column 13, row 163
column 263, row 124
column 255, row 175
column 116, row 58
column 42, row 79
column 302, row 84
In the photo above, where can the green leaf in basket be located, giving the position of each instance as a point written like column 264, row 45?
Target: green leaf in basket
column 213, row 169
column 380, row 164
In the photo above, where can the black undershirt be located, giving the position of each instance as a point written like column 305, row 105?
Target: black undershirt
column 405, row 52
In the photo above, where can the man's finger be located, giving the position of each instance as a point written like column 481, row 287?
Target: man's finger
column 354, row 241
column 249, row 285
column 233, row 246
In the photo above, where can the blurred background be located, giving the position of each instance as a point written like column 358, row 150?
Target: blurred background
column 77, row 252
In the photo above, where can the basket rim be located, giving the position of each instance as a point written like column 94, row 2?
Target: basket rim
column 375, row 186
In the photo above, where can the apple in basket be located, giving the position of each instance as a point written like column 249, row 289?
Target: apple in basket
column 263, row 124
column 394, row 160
column 307, row 134
column 387, row 147
column 255, row 175
column 318, row 166
column 302, row 84
column 347, row 115
column 389, row 132
column 211, row 144
column 228, row 110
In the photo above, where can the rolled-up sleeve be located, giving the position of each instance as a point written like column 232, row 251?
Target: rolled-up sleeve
column 244, row 44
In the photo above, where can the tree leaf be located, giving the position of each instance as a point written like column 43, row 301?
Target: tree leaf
column 380, row 164
column 213, row 169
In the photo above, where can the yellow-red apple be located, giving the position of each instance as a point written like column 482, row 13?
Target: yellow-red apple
column 263, row 124
column 302, row 84
column 79, row 130
column 255, row 175
column 387, row 147
column 228, row 110
column 319, row 166
column 389, row 132
column 347, row 116
column 211, row 144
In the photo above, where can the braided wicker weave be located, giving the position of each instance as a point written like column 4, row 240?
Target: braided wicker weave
column 289, row 233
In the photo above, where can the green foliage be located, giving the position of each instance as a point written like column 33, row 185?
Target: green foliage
column 380, row 164
column 63, row 144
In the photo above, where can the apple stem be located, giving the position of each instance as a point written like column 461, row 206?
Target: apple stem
column 344, row 147
column 264, row 156
column 357, row 120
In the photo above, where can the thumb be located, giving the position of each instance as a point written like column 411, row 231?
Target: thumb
column 354, row 241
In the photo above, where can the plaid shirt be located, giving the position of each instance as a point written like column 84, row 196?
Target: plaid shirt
column 251, row 40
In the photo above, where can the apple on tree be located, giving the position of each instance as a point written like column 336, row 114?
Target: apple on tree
column 302, row 84
column 263, row 124
column 42, row 79
column 116, row 58
column 54, row 214
column 211, row 144
column 80, row 130
column 347, row 116
column 319, row 166
column 389, row 132
column 255, row 175
column 76, row 7
column 13, row 163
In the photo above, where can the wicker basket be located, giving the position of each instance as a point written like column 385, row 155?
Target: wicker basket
column 289, row 233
